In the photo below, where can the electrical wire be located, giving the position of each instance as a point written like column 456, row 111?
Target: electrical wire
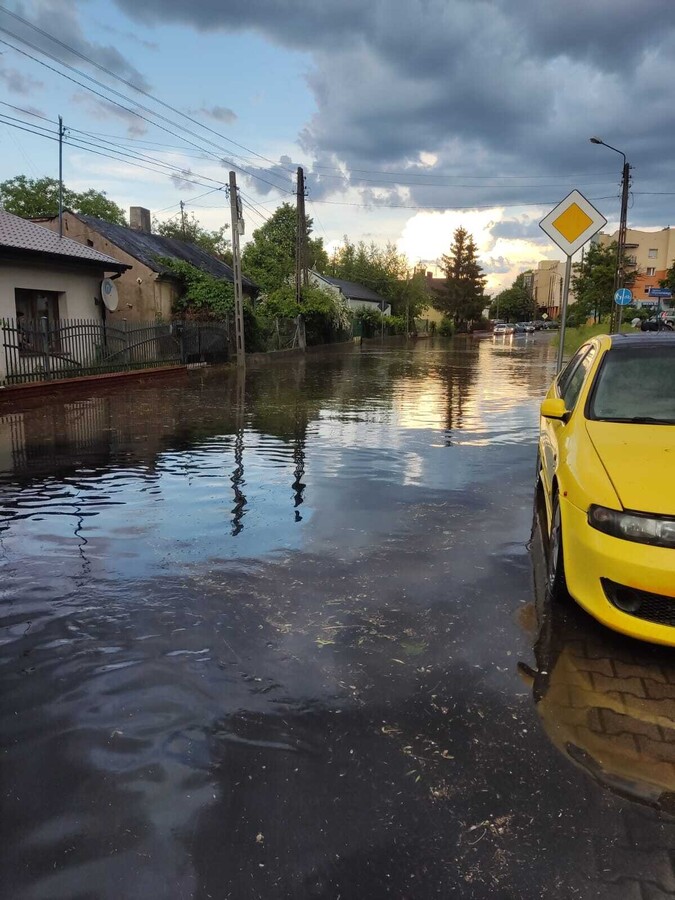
column 134, row 112
column 128, row 83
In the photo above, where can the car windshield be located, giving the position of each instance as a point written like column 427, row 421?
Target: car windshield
column 636, row 386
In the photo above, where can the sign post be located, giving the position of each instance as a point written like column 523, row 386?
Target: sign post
column 571, row 224
column 622, row 297
column 660, row 294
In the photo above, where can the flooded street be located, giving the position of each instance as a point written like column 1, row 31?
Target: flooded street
column 275, row 636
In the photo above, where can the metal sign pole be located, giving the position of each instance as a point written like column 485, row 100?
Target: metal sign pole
column 563, row 312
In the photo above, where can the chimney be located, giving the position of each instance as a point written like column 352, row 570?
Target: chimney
column 139, row 219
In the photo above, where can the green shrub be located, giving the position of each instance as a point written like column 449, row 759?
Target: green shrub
column 201, row 296
column 447, row 327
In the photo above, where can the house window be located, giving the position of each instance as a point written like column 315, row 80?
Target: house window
column 653, row 252
column 651, row 270
column 32, row 308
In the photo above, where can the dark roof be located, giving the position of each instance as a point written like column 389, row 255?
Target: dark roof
column 642, row 339
column 17, row 234
column 354, row 291
column 147, row 248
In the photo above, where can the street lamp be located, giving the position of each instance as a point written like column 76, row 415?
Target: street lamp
column 621, row 243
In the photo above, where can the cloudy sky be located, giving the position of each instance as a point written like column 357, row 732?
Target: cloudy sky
column 410, row 118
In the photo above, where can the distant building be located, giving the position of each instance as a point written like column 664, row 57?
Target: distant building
column 354, row 295
column 546, row 286
column 148, row 289
column 433, row 286
column 648, row 255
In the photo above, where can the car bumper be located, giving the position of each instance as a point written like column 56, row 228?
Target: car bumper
column 591, row 557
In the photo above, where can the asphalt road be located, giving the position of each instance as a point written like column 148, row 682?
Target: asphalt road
column 282, row 637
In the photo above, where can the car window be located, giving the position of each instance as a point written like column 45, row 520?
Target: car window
column 572, row 388
column 636, row 384
column 570, row 368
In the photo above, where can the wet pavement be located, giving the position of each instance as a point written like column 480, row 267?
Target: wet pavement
column 281, row 637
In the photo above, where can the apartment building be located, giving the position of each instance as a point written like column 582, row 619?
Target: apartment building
column 545, row 283
column 648, row 254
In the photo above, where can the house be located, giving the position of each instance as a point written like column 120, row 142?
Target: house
column 649, row 254
column 45, row 279
column 433, row 286
column 354, row 295
column 148, row 289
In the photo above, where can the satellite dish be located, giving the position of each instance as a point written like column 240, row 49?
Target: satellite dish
column 109, row 294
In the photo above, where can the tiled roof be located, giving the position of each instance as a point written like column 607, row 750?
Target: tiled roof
column 19, row 234
column 354, row 291
column 149, row 248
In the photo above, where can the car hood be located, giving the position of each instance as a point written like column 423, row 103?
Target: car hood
column 639, row 461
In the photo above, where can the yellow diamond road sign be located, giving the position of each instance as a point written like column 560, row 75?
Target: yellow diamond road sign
column 572, row 223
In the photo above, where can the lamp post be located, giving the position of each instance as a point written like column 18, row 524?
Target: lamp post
column 621, row 243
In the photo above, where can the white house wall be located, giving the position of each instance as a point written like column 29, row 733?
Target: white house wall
column 77, row 292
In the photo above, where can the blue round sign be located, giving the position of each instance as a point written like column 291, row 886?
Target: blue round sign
column 623, row 297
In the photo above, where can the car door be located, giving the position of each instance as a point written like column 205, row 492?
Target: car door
column 568, row 387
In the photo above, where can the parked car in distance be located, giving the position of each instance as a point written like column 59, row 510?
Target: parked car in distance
column 658, row 323
column 525, row 327
column 607, row 433
column 503, row 328
column 550, row 325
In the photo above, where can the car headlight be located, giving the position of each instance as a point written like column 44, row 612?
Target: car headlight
column 630, row 526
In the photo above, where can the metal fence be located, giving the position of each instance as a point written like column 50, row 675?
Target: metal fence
column 41, row 350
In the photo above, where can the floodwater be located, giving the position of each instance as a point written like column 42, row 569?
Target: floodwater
column 275, row 636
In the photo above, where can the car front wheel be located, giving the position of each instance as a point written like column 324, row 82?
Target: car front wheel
column 556, row 568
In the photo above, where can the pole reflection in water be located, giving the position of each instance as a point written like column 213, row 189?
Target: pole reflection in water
column 237, row 478
column 607, row 702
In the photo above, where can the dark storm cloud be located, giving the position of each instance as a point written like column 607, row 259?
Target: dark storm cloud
column 57, row 19
column 514, row 228
column 490, row 88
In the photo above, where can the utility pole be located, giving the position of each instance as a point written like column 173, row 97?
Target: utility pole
column 301, row 268
column 236, row 265
column 60, row 177
column 182, row 219
column 621, row 244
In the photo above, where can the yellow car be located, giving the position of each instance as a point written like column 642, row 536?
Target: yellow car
column 606, row 471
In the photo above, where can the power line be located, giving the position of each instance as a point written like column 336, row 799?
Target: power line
column 121, row 106
column 450, row 208
column 128, row 83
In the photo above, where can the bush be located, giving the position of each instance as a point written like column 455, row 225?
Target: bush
column 446, row 328
column 481, row 324
column 323, row 315
column 201, row 295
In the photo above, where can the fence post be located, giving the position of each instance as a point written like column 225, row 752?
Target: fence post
column 45, row 350
column 300, row 330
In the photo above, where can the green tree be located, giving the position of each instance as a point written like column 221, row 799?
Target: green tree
column 462, row 297
column 33, row 198
column 269, row 257
column 385, row 271
column 187, row 228
column 669, row 280
column 515, row 304
column 593, row 284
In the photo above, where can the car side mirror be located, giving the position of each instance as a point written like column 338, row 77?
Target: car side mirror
column 553, row 408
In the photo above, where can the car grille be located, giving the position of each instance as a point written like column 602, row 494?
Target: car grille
column 641, row 604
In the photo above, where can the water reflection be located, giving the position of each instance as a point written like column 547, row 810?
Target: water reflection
column 274, row 605
column 606, row 702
